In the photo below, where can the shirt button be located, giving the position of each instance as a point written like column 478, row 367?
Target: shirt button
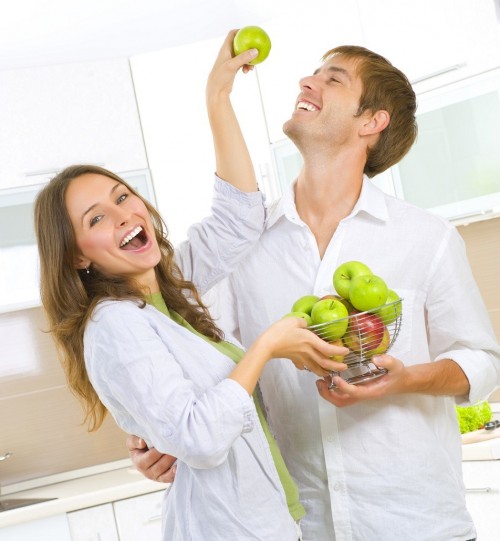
column 336, row 487
column 330, row 439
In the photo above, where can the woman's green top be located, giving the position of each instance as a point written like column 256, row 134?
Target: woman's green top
column 235, row 353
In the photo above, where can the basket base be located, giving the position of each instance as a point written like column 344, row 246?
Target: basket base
column 356, row 375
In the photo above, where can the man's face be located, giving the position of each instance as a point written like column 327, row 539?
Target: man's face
column 326, row 108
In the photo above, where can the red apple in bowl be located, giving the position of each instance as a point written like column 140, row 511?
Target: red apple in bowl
column 383, row 346
column 364, row 333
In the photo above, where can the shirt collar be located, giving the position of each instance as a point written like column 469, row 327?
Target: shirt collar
column 371, row 200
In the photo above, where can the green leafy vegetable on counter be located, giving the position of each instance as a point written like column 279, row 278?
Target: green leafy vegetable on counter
column 473, row 417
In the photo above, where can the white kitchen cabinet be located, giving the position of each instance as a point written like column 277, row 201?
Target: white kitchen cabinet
column 53, row 528
column 139, row 517
column 433, row 43
column 482, row 483
column 93, row 524
column 54, row 116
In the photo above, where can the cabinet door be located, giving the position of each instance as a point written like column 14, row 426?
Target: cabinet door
column 139, row 517
column 48, row 529
column 54, row 116
column 482, row 483
column 93, row 524
column 433, row 43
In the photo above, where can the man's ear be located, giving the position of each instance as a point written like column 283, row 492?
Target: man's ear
column 375, row 123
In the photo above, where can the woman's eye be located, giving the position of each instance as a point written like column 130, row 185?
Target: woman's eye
column 122, row 198
column 95, row 219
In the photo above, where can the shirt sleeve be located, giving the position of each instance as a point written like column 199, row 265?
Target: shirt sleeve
column 143, row 386
column 458, row 323
column 219, row 242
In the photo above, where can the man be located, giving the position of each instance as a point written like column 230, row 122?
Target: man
column 380, row 460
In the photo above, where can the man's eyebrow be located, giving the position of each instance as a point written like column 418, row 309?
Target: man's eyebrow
column 95, row 204
column 335, row 69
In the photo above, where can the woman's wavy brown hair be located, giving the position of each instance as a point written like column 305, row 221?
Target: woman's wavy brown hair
column 384, row 88
column 69, row 295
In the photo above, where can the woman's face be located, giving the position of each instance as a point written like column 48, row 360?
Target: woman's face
column 113, row 229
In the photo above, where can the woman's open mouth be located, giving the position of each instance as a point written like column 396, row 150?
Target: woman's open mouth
column 136, row 239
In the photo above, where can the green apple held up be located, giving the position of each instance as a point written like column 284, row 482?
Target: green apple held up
column 305, row 304
column 303, row 315
column 333, row 314
column 367, row 292
column 345, row 273
column 252, row 37
column 390, row 311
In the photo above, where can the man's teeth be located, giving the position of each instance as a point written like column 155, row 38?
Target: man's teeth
column 131, row 235
column 307, row 106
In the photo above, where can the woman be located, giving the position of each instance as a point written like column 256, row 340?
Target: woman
column 138, row 342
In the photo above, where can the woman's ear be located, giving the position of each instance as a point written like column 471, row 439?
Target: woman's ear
column 375, row 123
column 82, row 263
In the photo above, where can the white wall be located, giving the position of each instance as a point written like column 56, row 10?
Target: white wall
column 170, row 89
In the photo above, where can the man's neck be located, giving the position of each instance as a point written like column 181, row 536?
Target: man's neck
column 326, row 193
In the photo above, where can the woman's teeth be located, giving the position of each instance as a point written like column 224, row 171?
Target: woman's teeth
column 130, row 236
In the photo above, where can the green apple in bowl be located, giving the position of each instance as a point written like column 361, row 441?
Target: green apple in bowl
column 252, row 37
column 331, row 314
column 305, row 304
column 368, row 292
column 345, row 273
column 391, row 309
column 303, row 315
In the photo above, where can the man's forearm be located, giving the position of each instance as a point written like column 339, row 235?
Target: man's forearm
column 443, row 377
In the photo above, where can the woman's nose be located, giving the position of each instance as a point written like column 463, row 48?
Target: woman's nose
column 122, row 216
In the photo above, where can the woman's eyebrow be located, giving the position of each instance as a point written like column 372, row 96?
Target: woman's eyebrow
column 95, row 204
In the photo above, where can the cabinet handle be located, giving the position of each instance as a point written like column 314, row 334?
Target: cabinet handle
column 154, row 518
column 479, row 489
column 436, row 73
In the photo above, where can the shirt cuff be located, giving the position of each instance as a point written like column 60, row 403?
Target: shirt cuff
column 242, row 400
column 248, row 198
column 481, row 370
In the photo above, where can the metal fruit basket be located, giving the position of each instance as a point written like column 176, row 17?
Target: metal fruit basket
column 368, row 334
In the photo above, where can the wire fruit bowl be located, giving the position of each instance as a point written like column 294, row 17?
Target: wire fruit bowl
column 368, row 334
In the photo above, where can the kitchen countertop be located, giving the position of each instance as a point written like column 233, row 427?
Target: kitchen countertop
column 119, row 480
column 489, row 449
column 78, row 493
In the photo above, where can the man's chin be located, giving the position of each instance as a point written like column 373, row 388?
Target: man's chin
column 291, row 130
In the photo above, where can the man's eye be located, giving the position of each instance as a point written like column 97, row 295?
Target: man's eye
column 95, row 219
